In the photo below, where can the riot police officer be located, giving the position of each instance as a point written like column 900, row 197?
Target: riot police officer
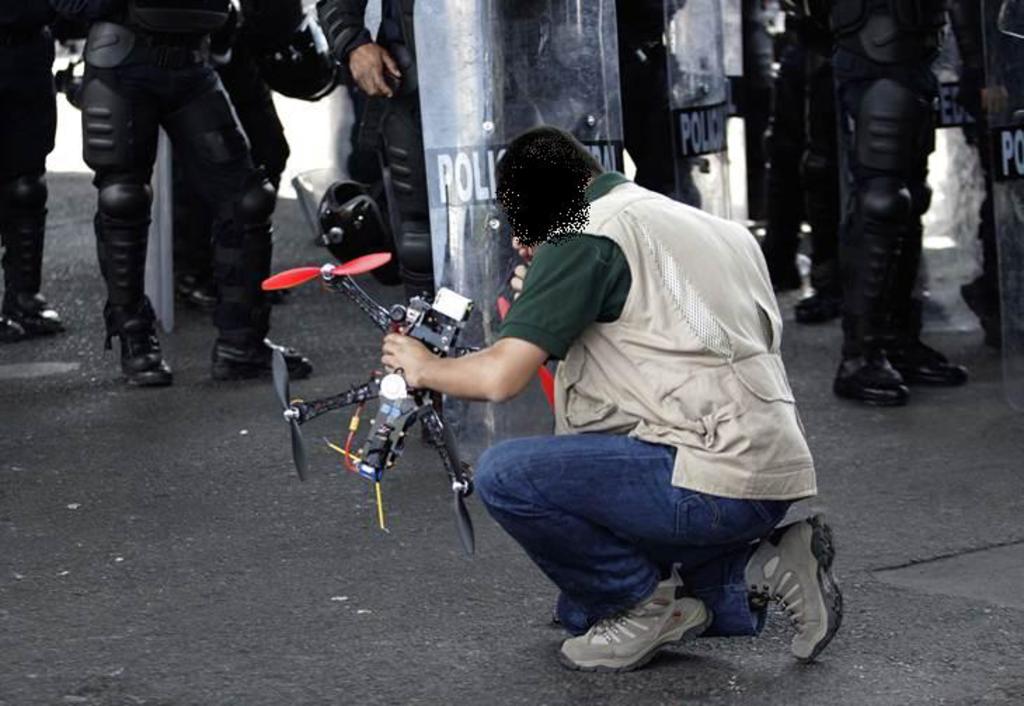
column 785, row 141
column 646, row 120
column 147, row 67
column 886, row 91
column 981, row 294
column 266, row 46
column 804, row 168
column 820, row 173
column 385, row 70
column 28, row 122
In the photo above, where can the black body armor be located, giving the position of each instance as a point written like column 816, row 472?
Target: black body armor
column 178, row 16
column 889, row 31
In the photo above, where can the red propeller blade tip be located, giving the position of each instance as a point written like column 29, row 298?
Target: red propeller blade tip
column 290, row 278
column 362, row 265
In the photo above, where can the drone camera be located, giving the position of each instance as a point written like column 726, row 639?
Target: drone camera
column 437, row 324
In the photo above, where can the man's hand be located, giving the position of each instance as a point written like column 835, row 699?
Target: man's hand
column 494, row 374
column 526, row 253
column 518, row 279
column 519, row 275
column 408, row 355
column 367, row 65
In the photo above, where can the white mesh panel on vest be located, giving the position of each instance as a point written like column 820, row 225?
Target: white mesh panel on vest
column 687, row 301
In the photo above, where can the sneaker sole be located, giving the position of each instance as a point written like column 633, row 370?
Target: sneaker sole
column 642, row 659
column 823, row 548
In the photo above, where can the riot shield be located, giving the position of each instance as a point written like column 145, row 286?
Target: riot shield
column 951, row 255
column 160, row 254
column 489, row 70
column 1004, row 57
column 699, row 100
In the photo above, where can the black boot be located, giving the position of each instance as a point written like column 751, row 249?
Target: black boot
column 246, row 358
column 819, row 308
column 10, row 331
column 121, row 249
column 23, row 234
column 870, row 379
column 196, row 292
column 916, row 362
column 919, row 364
column 984, row 302
column 141, row 359
column 31, row 313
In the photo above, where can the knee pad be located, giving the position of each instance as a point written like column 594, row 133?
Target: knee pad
column 892, row 126
column 125, row 201
column 886, row 200
column 414, row 250
column 24, row 193
column 257, row 202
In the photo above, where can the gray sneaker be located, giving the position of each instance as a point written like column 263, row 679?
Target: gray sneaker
column 631, row 639
column 793, row 566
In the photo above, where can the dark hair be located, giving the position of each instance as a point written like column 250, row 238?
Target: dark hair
column 542, row 180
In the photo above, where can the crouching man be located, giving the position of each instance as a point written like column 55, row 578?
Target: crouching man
column 678, row 446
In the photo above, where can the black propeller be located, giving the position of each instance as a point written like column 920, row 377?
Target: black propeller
column 462, row 486
column 291, row 413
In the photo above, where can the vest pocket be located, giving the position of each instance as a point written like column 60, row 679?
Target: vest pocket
column 582, row 408
column 764, row 377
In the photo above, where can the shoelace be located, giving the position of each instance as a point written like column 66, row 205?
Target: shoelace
column 764, row 595
column 612, row 628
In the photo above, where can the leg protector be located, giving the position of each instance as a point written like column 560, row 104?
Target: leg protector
column 122, row 233
column 406, row 172
column 785, row 140
column 870, row 259
column 821, row 175
column 22, row 229
column 888, row 147
column 416, row 258
column 243, row 248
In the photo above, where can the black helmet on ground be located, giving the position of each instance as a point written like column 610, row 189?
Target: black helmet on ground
column 351, row 225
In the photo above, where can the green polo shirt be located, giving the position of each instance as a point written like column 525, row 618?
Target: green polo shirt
column 570, row 285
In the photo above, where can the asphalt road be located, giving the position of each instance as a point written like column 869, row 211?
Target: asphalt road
column 157, row 549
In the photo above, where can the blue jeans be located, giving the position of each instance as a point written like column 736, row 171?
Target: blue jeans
column 598, row 514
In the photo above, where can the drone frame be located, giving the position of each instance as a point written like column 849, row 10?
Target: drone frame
column 338, row 278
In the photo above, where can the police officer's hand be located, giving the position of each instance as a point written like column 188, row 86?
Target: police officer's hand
column 995, row 100
column 367, row 65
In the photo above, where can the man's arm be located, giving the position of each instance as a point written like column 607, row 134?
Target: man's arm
column 86, row 10
column 344, row 24
column 363, row 62
column 494, row 374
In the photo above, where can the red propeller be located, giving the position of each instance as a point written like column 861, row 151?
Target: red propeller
column 290, row 278
column 362, row 265
column 301, row 275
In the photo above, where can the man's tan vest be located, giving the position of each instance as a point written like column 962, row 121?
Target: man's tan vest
column 693, row 361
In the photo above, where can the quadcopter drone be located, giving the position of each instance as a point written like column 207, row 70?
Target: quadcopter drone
column 437, row 324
